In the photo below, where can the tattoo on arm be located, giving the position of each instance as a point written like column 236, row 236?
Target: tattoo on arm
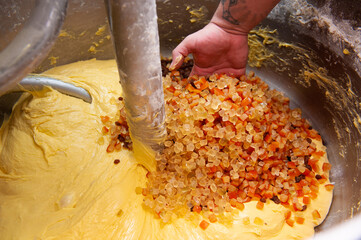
column 227, row 4
column 241, row 12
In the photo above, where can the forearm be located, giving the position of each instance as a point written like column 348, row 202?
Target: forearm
column 240, row 16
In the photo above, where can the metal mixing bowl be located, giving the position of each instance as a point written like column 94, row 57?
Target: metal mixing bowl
column 320, row 71
column 28, row 31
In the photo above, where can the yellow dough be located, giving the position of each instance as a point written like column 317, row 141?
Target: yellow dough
column 58, row 182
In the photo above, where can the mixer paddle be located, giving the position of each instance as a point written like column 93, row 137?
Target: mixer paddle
column 38, row 82
column 133, row 25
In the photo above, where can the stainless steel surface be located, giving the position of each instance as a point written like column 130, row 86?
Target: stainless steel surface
column 37, row 83
column 321, row 29
column 134, row 29
column 32, row 43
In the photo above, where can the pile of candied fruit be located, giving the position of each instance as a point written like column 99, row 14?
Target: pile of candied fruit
column 230, row 141
column 118, row 131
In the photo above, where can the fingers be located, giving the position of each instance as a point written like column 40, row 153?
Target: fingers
column 178, row 55
column 209, row 71
column 180, row 52
column 177, row 61
column 232, row 72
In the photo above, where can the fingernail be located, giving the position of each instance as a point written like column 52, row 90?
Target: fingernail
column 177, row 60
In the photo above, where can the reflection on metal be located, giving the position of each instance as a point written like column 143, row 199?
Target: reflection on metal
column 32, row 43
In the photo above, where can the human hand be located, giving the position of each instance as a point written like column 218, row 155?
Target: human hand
column 214, row 50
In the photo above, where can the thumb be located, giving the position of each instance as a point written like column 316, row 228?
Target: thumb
column 177, row 61
column 179, row 53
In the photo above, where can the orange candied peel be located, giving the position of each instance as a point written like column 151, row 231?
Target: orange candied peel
column 212, row 218
column 288, row 214
column 299, row 220
column 316, row 215
column 326, row 167
column 329, row 187
column 260, row 205
column 204, row 224
column 290, row 222
column 104, row 119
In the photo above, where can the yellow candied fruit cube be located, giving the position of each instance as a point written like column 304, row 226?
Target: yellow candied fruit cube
column 138, row 190
column 258, row 221
column 246, row 221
